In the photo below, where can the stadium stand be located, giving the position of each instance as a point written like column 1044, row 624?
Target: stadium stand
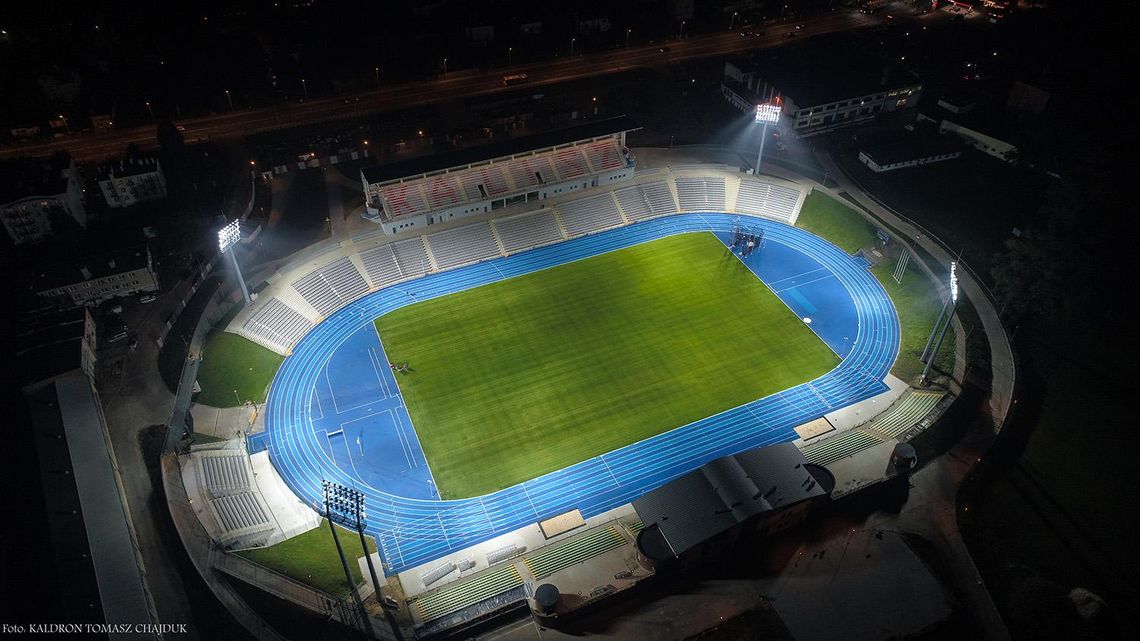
column 275, row 326
column 841, row 446
column 767, row 199
column 462, row 595
column 411, row 257
column 504, row 553
column 330, row 287
column 591, row 214
column 240, row 514
column 528, row 230
column 531, row 172
column 907, row 411
column 380, row 266
column 224, row 474
column 701, row 194
column 570, row 163
column 437, row 573
column 462, row 245
column 647, row 200
column 403, row 198
column 442, row 191
column 579, row 549
column 603, row 155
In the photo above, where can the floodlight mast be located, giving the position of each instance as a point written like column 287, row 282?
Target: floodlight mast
column 938, row 333
column 228, row 236
column 766, row 113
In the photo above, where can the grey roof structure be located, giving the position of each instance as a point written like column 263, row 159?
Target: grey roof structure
column 726, row 492
column 500, row 149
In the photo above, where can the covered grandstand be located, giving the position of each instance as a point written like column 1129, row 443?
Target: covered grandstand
column 418, row 192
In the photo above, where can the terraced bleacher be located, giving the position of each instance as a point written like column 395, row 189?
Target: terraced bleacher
column 570, row 163
column 635, row 527
column 463, row 245
column 403, row 198
column 276, row 326
column 493, row 179
column 700, row 194
column 330, row 287
column 646, row 200
column 464, row 594
column 604, row 155
column 442, row 191
column 380, row 265
column 841, row 446
column 224, row 474
column 560, row 557
column 238, row 513
column 523, row 171
column 528, row 230
column 411, row 257
column 904, row 414
column 767, row 199
column 586, row 215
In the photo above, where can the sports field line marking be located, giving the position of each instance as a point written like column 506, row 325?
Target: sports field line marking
column 406, row 447
column 810, row 271
column 530, row 500
column 317, row 398
column 487, row 514
column 603, row 458
column 328, row 383
column 814, row 280
column 446, row 540
column 376, row 370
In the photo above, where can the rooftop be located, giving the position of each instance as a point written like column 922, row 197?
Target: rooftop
column 129, row 166
column 499, row 149
column 97, row 265
column 722, row 493
column 899, row 146
column 24, row 177
column 825, row 69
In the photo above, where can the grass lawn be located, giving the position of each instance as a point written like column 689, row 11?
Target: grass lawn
column 231, row 362
column 519, row 378
column 311, row 558
column 916, row 299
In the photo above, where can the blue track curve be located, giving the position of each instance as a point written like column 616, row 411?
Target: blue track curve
column 412, row 531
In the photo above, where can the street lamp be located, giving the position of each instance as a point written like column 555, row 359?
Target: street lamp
column 681, row 36
column 228, row 236
column 305, row 88
column 147, row 103
column 765, row 114
column 377, row 71
column 732, row 23
column 445, row 66
column 627, row 32
column 510, row 50
column 572, row 47
column 229, row 99
column 782, row 12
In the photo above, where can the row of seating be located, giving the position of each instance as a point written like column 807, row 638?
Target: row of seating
column 276, row 326
column 766, row 199
column 462, row 245
column 528, row 230
column 700, row 194
column 330, row 287
column 381, row 266
column 562, row 556
column 590, row 214
column 224, row 474
column 647, row 200
column 911, row 408
column 456, row 597
column 239, row 514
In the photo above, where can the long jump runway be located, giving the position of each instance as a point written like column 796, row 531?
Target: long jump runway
column 335, row 412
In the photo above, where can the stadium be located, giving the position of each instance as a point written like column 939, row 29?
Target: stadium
column 510, row 395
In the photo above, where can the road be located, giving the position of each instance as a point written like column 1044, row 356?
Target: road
column 93, row 147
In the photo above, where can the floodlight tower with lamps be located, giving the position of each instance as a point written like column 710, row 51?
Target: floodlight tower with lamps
column 934, row 343
column 228, row 236
column 766, row 113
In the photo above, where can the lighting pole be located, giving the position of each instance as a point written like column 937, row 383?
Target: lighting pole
column 445, row 66
column 510, row 50
column 66, row 125
column 941, row 325
column 147, row 103
column 228, row 236
column 229, row 99
column 782, row 12
column 305, row 88
column 681, row 36
column 766, row 114
column 572, row 47
column 732, row 23
column 377, row 71
column 627, row 32
column 237, row 398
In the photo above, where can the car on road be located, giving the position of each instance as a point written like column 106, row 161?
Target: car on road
column 147, row 298
column 663, row 49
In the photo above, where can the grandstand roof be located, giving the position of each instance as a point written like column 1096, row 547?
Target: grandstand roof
column 825, row 69
column 500, row 149
column 722, row 493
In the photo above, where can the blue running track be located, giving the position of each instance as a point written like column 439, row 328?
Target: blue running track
column 335, row 412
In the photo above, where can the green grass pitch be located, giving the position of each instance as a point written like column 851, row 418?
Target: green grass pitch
column 519, row 378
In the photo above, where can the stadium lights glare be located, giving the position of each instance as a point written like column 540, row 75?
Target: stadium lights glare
column 767, row 113
column 954, row 281
column 229, row 235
